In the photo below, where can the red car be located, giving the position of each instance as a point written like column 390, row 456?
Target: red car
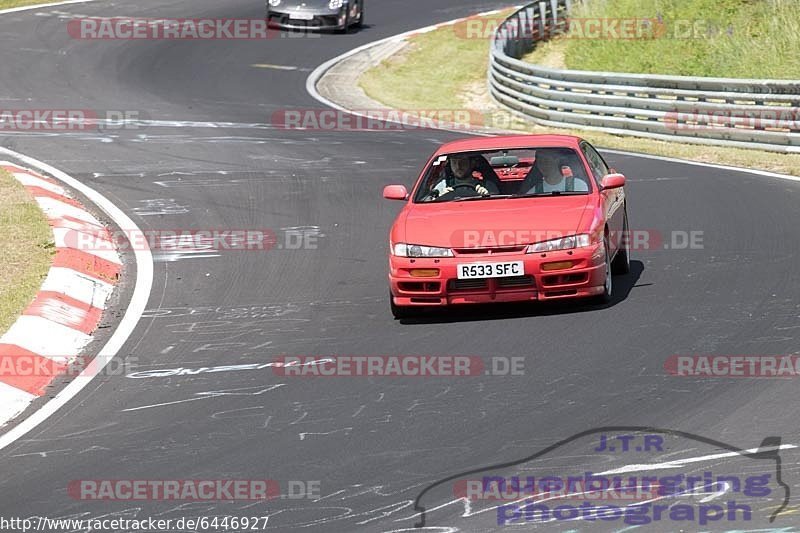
column 508, row 219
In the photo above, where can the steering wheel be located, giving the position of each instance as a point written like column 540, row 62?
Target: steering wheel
column 459, row 186
column 467, row 186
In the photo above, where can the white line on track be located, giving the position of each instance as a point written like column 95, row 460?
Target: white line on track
column 708, row 165
column 137, row 305
column 680, row 462
column 314, row 77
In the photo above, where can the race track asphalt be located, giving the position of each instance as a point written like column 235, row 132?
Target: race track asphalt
column 373, row 443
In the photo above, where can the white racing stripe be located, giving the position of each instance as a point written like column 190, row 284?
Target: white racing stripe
column 137, row 305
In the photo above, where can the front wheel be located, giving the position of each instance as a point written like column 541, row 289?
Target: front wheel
column 346, row 27
column 622, row 261
column 608, row 285
column 360, row 20
column 400, row 311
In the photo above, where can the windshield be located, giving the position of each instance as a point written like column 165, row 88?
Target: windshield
column 493, row 174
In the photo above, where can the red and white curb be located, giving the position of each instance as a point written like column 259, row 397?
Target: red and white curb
column 58, row 324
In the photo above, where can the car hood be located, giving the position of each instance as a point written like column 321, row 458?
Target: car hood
column 476, row 223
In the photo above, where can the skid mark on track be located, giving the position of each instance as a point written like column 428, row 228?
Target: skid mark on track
column 247, row 391
column 160, row 206
column 346, row 431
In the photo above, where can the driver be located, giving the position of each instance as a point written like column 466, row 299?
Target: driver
column 462, row 166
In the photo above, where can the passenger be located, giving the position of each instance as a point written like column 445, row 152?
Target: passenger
column 551, row 173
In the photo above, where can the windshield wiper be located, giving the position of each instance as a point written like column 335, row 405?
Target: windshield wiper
column 551, row 193
column 488, row 197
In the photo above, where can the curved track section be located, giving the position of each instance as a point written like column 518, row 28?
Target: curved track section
column 208, row 159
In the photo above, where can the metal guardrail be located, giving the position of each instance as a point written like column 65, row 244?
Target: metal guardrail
column 746, row 113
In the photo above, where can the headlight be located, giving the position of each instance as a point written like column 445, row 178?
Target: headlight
column 416, row 250
column 564, row 243
column 274, row 3
column 335, row 4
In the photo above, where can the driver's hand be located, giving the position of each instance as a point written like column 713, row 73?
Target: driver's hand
column 483, row 191
column 445, row 191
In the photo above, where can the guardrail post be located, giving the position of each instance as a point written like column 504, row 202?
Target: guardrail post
column 554, row 13
column 530, row 16
column 543, row 25
column 514, row 29
column 522, row 32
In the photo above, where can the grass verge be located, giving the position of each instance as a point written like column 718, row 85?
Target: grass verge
column 725, row 38
column 26, row 246
column 419, row 78
column 433, row 70
column 6, row 4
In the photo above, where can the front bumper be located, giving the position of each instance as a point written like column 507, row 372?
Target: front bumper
column 584, row 278
column 322, row 20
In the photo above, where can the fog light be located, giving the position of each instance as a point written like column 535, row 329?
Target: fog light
column 424, row 272
column 560, row 265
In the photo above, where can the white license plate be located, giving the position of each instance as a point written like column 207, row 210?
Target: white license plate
column 491, row 270
column 301, row 16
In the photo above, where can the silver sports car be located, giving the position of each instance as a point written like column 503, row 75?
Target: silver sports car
column 338, row 15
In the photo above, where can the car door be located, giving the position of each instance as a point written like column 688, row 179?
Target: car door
column 613, row 199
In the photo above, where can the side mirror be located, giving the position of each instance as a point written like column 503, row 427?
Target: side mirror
column 395, row 192
column 613, row 181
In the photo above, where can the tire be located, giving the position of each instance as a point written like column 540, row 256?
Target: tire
column 622, row 261
column 346, row 28
column 400, row 311
column 608, row 286
column 360, row 20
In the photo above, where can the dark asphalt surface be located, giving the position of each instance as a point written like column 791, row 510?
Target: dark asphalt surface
column 373, row 443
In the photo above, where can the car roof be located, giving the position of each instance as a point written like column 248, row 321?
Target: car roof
column 508, row 141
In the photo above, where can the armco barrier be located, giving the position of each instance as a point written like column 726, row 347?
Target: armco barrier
column 745, row 113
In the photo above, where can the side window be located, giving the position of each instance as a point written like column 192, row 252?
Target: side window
column 598, row 166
